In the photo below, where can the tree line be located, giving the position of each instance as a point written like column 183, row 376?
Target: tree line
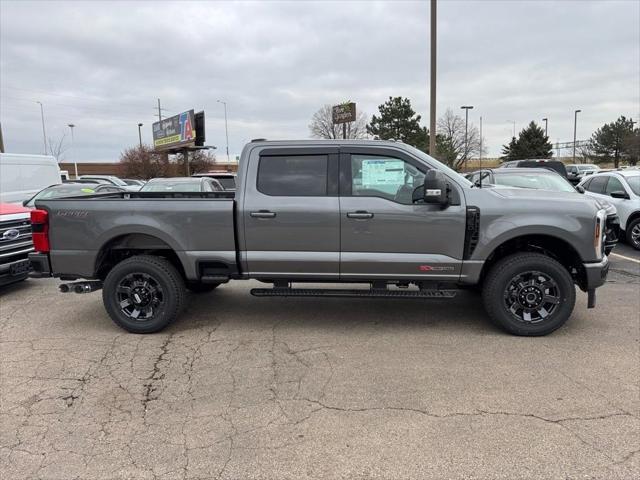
column 616, row 142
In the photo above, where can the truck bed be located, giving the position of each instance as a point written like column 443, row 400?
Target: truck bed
column 199, row 227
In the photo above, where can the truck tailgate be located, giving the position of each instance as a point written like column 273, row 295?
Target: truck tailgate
column 195, row 228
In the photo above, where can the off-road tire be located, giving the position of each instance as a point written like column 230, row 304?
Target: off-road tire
column 629, row 232
column 169, row 281
column 496, row 289
column 196, row 287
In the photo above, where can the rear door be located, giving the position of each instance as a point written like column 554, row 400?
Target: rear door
column 291, row 213
column 383, row 233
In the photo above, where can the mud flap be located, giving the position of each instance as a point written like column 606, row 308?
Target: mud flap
column 591, row 298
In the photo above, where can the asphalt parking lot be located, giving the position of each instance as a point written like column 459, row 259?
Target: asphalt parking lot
column 319, row 388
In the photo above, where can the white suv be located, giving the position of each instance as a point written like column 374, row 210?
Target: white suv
column 622, row 189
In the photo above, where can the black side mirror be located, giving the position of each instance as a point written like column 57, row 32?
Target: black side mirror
column 580, row 189
column 435, row 189
column 619, row 194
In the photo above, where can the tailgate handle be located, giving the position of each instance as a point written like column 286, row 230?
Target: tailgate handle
column 263, row 214
column 360, row 214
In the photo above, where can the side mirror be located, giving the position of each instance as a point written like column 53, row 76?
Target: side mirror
column 435, row 189
column 619, row 194
column 24, row 203
column 580, row 189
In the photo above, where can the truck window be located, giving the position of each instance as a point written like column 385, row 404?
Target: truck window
column 386, row 177
column 293, row 176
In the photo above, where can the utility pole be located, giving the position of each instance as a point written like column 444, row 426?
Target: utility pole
column 44, row 134
column 226, row 127
column 73, row 149
column 546, row 121
column 140, row 134
column 480, row 155
column 575, row 124
column 2, row 141
column 159, row 111
column 432, row 96
column 466, row 109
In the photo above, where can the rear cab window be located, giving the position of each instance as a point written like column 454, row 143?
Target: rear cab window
column 293, row 176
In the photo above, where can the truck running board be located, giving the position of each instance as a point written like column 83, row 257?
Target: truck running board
column 322, row 292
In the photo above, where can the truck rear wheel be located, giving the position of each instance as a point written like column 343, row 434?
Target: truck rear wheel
column 143, row 294
column 529, row 294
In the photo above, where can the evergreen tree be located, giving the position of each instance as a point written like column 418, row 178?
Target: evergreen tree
column 531, row 143
column 611, row 142
column 507, row 149
column 397, row 120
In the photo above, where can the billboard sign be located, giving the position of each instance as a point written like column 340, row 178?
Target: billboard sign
column 176, row 131
column 344, row 113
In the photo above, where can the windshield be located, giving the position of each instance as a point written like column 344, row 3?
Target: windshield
column 634, row 184
column 551, row 182
column 441, row 166
column 584, row 168
column 172, row 187
column 58, row 192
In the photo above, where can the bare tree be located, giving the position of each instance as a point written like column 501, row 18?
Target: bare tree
column 143, row 162
column 322, row 125
column 58, row 147
column 451, row 128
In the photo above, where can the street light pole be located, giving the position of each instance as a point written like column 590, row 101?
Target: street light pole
column 75, row 160
column 140, row 134
column 466, row 109
column 432, row 95
column 546, row 121
column 44, row 135
column 226, row 127
column 575, row 124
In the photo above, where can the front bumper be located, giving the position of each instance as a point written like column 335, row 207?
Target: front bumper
column 595, row 274
column 40, row 265
column 14, row 271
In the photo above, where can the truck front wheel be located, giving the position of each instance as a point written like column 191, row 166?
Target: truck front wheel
column 529, row 294
column 143, row 294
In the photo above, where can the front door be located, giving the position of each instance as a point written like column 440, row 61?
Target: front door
column 383, row 233
column 291, row 214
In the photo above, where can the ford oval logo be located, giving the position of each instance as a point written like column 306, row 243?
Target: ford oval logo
column 11, row 234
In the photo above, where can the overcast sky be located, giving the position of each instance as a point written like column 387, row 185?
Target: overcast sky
column 102, row 65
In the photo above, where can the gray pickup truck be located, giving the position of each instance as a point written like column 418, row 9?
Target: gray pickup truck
column 380, row 218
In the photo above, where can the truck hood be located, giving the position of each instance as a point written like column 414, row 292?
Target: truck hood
column 12, row 209
column 530, row 194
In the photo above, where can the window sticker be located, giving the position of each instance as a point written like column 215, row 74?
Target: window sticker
column 382, row 172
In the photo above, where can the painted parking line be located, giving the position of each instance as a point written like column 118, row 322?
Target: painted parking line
column 626, row 258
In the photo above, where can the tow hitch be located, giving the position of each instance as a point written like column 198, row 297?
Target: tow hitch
column 81, row 287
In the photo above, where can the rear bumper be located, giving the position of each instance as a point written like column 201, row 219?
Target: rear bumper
column 40, row 265
column 596, row 274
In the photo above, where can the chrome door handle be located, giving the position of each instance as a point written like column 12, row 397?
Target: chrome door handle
column 360, row 215
column 263, row 214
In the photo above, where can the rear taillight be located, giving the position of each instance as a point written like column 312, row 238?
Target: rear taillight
column 40, row 230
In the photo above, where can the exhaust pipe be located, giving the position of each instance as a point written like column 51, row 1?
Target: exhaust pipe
column 81, row 287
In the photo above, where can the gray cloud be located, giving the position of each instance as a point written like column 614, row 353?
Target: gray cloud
column 101, row 65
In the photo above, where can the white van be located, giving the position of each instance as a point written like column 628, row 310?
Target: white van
column 22, row 176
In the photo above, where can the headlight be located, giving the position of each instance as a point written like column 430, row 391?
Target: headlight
column 598, row 234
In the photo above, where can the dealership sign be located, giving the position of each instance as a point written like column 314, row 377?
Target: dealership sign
column 179, row 130
column 344, row 113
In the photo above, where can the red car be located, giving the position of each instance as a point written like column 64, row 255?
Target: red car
column 15, row 243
